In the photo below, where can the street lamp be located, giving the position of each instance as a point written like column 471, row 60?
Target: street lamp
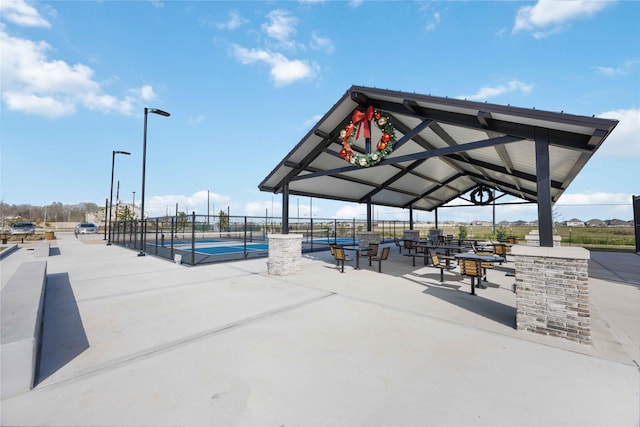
column 113, row 162
column 144, row 166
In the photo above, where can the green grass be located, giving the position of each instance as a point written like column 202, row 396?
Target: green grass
column 593, row 238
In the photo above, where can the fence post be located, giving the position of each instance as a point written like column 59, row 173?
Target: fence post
column 172, row 234
column 246, row 254
column 193, row 238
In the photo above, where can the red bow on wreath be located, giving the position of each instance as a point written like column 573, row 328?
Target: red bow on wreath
column 359, row 116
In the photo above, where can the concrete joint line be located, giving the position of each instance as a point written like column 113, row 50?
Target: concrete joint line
column 604, row 267
column 162, row 348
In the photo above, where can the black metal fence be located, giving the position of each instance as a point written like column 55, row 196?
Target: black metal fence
column 202, row 239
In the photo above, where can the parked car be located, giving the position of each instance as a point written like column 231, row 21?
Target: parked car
column 86, row 228
column 23, row 227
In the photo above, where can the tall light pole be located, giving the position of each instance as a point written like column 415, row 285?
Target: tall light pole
column 144, row 166
column 113, row 162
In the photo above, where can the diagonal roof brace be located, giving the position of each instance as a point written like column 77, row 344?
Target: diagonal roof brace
column 483, row 118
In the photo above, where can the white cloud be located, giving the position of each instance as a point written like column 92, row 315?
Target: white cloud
column 196, row 120
column 582, row 199
column 357, row 211
column 321, row 43
column 20, row 13
column 586, row 206
column 265, row 207
column 157, row 206
column 621, row 70
column 355, row 3
column 312, row 121
column 35, row 84
column 283, row 70
column 146, row 93
column 433, row 22
column 234, row 21
column 490, row 92
column 42, row 105
column 549, row 16
column 281, row 26
column 624, row 141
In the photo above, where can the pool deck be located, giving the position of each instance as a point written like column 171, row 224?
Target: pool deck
column 141, row 341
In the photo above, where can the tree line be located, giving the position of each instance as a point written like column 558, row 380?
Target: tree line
column 53, row 212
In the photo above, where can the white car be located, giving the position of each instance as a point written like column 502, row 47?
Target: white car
column 23, row 227
column 86, row 228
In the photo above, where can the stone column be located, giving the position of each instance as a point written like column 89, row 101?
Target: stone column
column 285, row 254
column 366, row 237
column 533, row 238
column 411, row 235
column 552, row 293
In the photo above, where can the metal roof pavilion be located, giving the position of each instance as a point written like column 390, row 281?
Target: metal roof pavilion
column 445, row 148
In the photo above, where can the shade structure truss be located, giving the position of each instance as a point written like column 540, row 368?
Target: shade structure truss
column 444, row 149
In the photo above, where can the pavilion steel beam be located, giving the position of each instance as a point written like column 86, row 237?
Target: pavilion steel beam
column 565, row 139
column 440, row 185
column 285, row 209
column 327, row 140
column 569, row 140
column 543, row 173
column 506, row 187
column 494, row 168
column 438, row 152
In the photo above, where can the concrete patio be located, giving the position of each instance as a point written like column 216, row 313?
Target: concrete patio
column 140, row 341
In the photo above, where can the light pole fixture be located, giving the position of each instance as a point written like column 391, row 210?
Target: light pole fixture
column 144, row 166
column 113, row 162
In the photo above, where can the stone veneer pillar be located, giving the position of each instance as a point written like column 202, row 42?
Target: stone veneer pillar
column 411, row 235
column 366, row 237
column 285, row 254
column 552, row 293
column 533, row 238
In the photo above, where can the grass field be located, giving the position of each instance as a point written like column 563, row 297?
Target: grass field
column 593, row 238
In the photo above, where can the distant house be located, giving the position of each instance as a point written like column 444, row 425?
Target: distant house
column 619, row 223
column 521, row 223
column 575, row 222
column 596, row 223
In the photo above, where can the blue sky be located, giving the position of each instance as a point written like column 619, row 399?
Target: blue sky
column 244, row 81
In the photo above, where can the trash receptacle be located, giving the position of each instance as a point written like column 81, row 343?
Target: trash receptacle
column 49, row 235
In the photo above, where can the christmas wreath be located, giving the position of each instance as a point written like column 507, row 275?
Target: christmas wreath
column 361, row 120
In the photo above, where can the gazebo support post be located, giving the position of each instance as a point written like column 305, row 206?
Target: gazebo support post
column 436, row 218
column 410, row 217
column 285, row 208
column 543, row 176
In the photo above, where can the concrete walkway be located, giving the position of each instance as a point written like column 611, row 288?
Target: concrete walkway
column 140, row 341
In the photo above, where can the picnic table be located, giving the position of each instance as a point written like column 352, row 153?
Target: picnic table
column 423, row 248
column 358, row 250
column 478, row 259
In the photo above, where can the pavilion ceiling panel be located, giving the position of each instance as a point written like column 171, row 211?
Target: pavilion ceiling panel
column 561, row 161
column 340, row 189
column 435, row 169
column 463, row 135
column 391, row 198
column 523, row 156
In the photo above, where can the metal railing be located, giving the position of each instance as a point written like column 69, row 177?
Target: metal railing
column 201, row 239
